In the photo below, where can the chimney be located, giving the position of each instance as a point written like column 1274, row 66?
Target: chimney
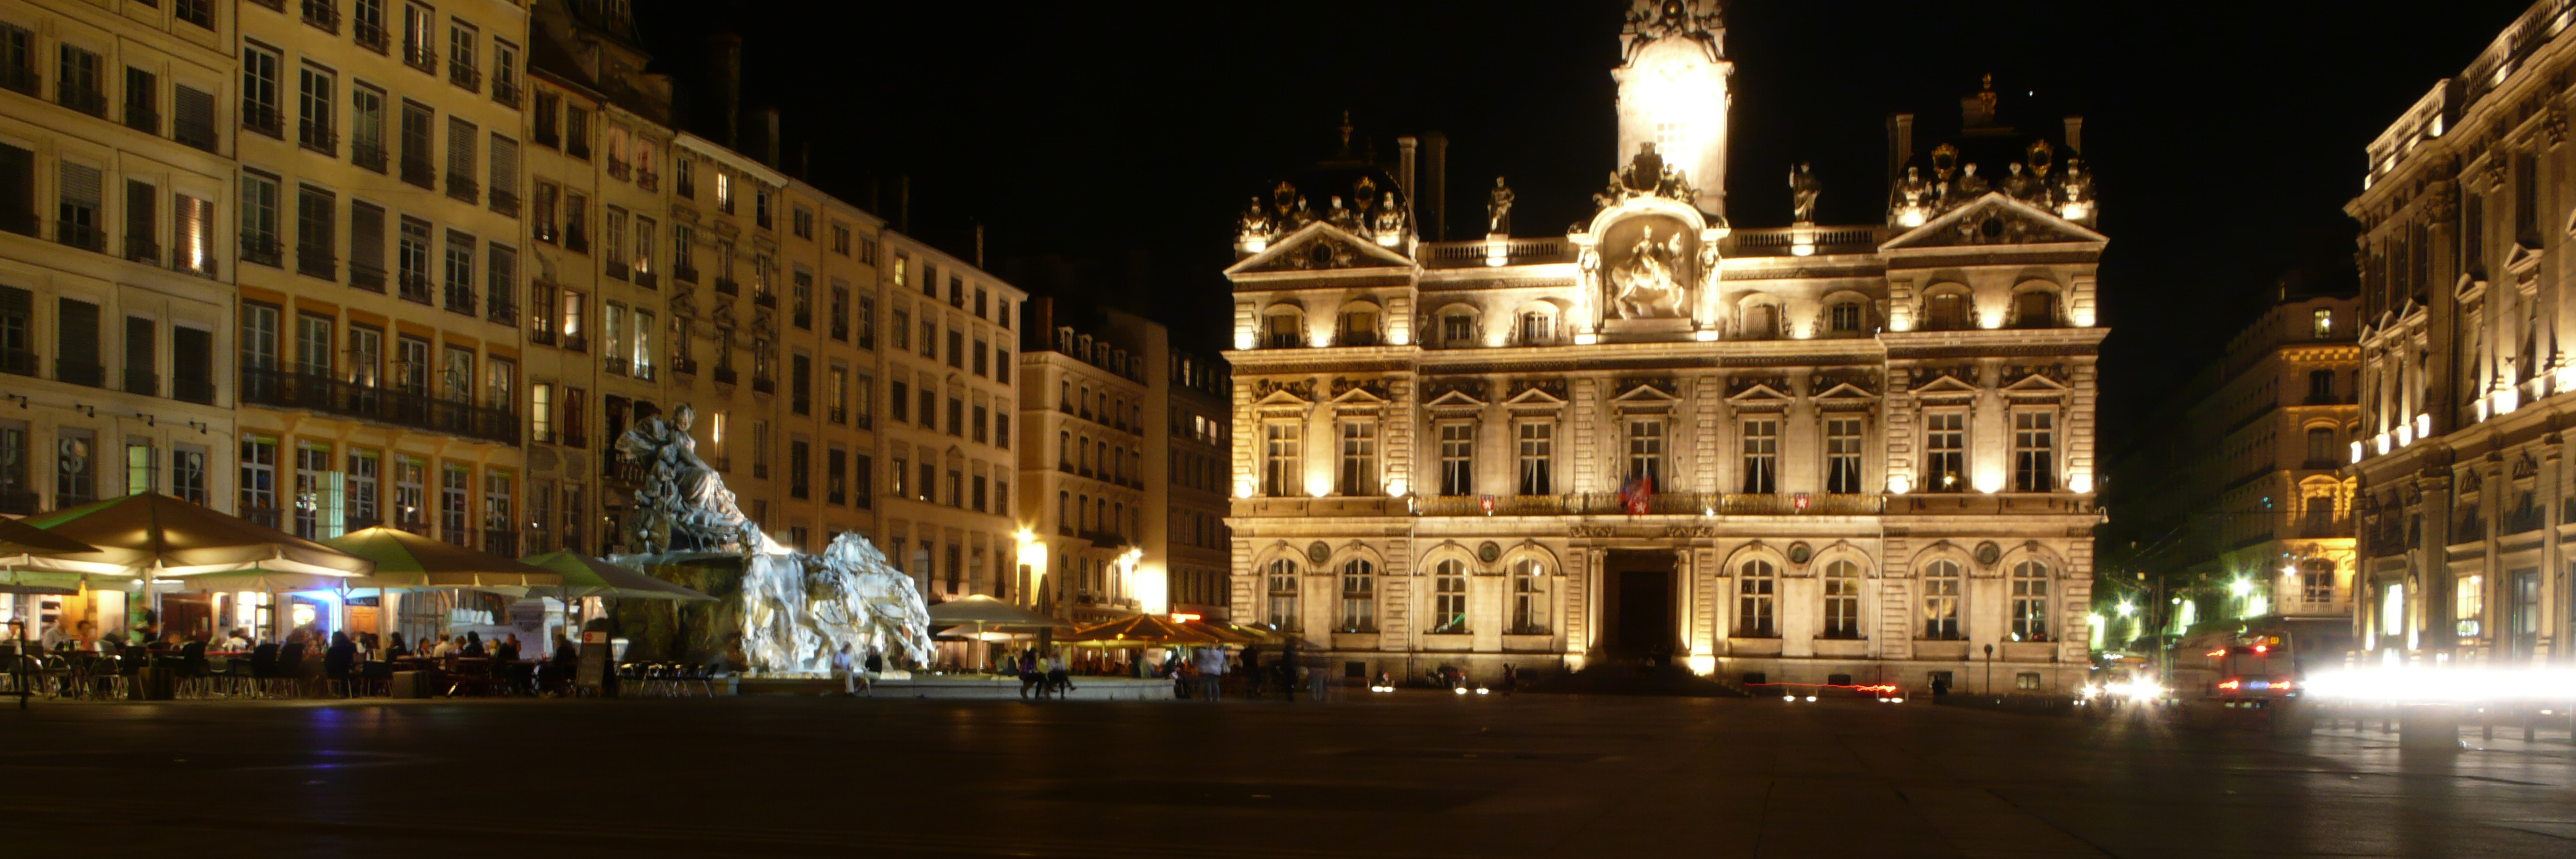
column 727, row 49
column 1435, row 185
column 769, row 136
column 1405, row 147
column 2075, row 135
column 1900, row 144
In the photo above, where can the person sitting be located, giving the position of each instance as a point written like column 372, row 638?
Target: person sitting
column 399, row 649
column 55, row 637
column 473, row 644
column 236, row 639
column 340, row 661
column 507, row 650
column 446, row 647
column 566, row 652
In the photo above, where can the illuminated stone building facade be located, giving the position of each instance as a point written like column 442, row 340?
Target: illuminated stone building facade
column 1811, row 453
column 2465, row 495
column 2236, row 495
column 1120, row 445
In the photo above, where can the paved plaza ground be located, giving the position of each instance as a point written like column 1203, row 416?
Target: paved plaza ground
column 1416, row 774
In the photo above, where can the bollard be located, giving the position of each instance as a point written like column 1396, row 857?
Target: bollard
column 2430, row 728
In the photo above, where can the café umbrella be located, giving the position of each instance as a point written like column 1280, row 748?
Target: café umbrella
column 19, row 541
column 585, row 576
column 408, row 561
column 156, row 537
column 1138, row 631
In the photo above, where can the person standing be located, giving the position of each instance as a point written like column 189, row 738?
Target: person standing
column 1211, row 671
column 1511, row 678
column 1286, row 669
column 1252, row 672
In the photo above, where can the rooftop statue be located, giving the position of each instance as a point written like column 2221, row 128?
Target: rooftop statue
column 1647, row 174
column 2025, row 186
column 1697, row 20
column 798, row 609
column 1803, row 188
column 1498, row 209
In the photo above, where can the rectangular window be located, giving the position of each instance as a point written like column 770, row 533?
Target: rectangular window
column 1842, row 455
column 1281, row 475
column 1537, row 456
column 192, row 226
column 798, row 474
column 863, row 477
column 463, row 138
column 505, row 175
column 460, row 274
column 840, row 310
column 541, row 412
column 142, row 357
column 1756, row 586
column 2035, row 452
column 455, row 482
column 259, row 480
column 367, row 127
column 1761, row 444
column 316, row 95
column 366, row 246
column 418, row 164
column 1359, row 458
column 899, row 401
column 420, row 48
column 142, row 101
column 836, row 480
column 1842, row 600
column 1359, row 597
column 1646, row 452
column 1449, row 599
column 317, row 211
column 17, row 190
column 411, row 260
column 1457, row 458
column 1941, row 601
column 188, row 474
column 411, row 494
column 261, row 71
column 462, row 70
column 1945, row 452
column 760, row 449
column 80, row 208
column 192, row 117
column 80, row 84
column 76, row 340
column 501, row 284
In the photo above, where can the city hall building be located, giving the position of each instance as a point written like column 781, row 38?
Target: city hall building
column 1814, row 453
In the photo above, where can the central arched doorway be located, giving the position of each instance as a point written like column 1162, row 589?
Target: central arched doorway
column 1638, row 604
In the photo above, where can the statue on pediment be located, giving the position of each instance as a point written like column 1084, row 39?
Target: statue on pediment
column 1803, row 189
column 1648, row 284
column 1498, row 209
column 2025, row 186
column 1971, row 185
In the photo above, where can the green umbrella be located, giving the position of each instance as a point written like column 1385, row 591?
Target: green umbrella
column 585, row 576
column 405, row 560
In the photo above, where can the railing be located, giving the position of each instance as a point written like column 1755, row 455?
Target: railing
column 86, row 237
column 505, row 202
column 1658, row 504
column 615, row 364
column 505, row 91
column 648, row 180
column 463, row 187
column 263, row 118
column 1783, row 241
column 371, row 36
column 765, row 299
column 418, row 171
column 142, row 249
column 141, row 117
column 22, row 79
column 1103, row 539
column 727, row 286
column 324, row 14
column 684, row 274
column 316, row 262
column 67, row 500
column 615, row 268
column 19, row 362
column 685, row 366
column 546, row 136
column 499, row 306
column 764, row 385
column 1475, row 252
column 578, row 147
column 542, row 335
column 1282, row 341
column 366, row 277
column 648, row 280
column 87, row 101
column 576, row 343
column 368, row 156
column 80, row 373
column 200, row 135
column 618, row 168
column 724, row 375
column 262, row 249
column 413, row 286
column 469, row 77
column 419, row 56
column 801, row 403
column 145, row 382
column 286, row 389
column 504, row 543
column 575, row 240
column 193, row 390
column 2320, row 465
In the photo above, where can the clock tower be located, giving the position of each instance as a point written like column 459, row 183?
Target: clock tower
column 1672, row 91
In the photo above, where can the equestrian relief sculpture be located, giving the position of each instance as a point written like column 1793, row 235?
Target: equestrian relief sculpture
column 798, row 610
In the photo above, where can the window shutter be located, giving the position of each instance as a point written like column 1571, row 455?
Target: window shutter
column 505, row 166
column 195, row 112
column 81, row 185
column 76, row 340
column 140, row 200
column 367, row 237
column 17, row 190
column 192, row 354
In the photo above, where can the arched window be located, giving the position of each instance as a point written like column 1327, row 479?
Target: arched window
column 1449, row 598
column 1755, row 588
column 1947, row 311
column 1941, row 601
column 1283, row 328
column 1282, row 577
column 2030, row 601
column 1359, row 596
column 1064, row 450
column 1845, row 319
column 1082, row 506
column 1357, row 326
column 1842, row 600
column 2035, row 308
column 1529, row 597
column 1064, row 395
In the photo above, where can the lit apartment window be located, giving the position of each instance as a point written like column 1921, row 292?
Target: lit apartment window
column 1359, row 597
column 1945, row 449
column 2324, row 324
column 1281, row 577
column 1449, row 598
column 1842, row 600
column 1941, row 601
column 1529, row 597
column 1646, row 452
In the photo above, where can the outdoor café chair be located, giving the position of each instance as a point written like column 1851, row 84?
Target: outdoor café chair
column 630, row 675
column 376, row 677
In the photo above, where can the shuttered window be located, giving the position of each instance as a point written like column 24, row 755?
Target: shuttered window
column 141, row 236
column 461, row 139
column 366, row 246
column 76, row 343
column 505, row 175
column 17, row 190
column 79, row 209
column 194, row 115
column 192, row 227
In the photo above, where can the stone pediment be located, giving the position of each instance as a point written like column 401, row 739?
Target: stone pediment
column 1994, row 219
column 1652, row 390
column 1359, row 391
column 1441, row 392
column 1537, row 393
column 1320, row 247
column 1266, row 392
column 1758, row 391
column 2048, row 378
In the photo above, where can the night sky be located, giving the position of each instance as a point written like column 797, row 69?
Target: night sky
column 1105, row 147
